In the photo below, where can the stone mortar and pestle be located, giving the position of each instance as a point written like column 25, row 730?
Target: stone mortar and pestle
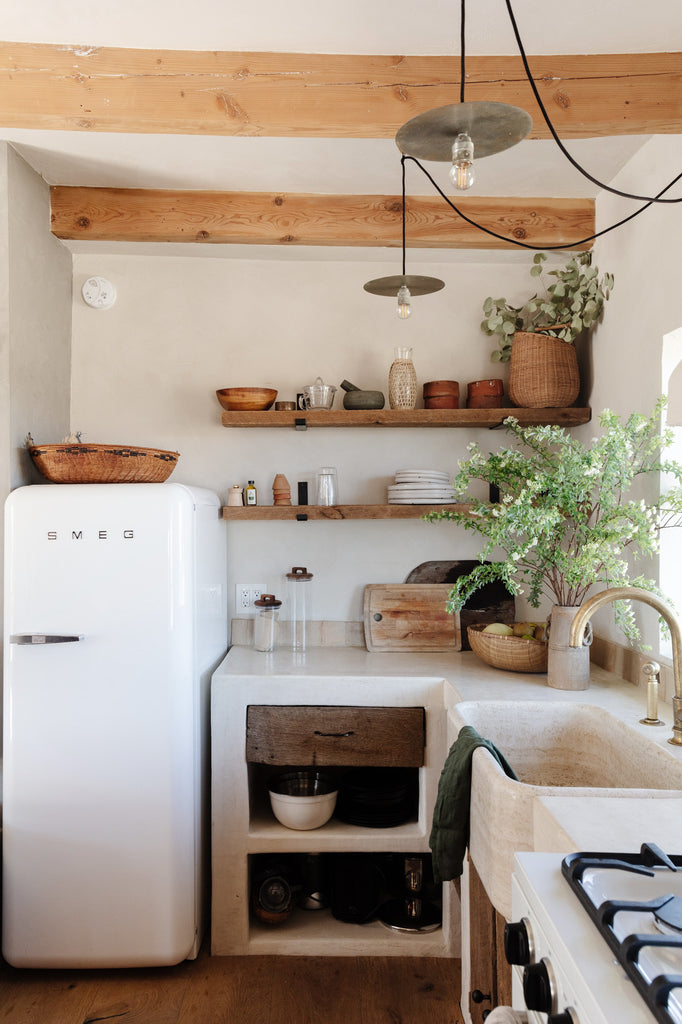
column 356, row 398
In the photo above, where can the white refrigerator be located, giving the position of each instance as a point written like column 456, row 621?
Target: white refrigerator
column 115, row 618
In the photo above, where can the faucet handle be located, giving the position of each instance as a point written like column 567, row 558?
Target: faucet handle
column 652, row 670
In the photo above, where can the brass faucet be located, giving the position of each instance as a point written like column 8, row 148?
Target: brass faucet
column 637, row 594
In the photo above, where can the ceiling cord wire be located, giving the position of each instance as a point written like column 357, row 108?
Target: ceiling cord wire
column 572, row 160
column 515, row 241
column 647, row 200
column 403, row 168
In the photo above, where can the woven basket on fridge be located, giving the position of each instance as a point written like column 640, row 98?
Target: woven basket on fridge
column 102, row 463
column 543, row 372
column 513, row 653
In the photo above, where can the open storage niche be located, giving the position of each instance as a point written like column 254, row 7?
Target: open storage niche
column 403, row 727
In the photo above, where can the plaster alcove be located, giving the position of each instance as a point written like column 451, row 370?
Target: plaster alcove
column 145, row 371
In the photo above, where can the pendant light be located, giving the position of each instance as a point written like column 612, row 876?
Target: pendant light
column 404, row 287
column 459, row 130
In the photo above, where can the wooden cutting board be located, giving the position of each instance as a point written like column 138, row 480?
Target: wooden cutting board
column 410, row 617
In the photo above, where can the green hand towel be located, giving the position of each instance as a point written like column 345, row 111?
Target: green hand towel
column 450, row 830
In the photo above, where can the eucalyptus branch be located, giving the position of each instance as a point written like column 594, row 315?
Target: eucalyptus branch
column 566, row 514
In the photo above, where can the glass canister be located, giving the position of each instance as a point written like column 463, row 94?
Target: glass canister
column 265, row 624
column 298, row 583
column 327, row 486
column 402, row 380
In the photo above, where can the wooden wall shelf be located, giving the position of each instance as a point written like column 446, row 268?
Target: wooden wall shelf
column 489, row 418
column 261, row 513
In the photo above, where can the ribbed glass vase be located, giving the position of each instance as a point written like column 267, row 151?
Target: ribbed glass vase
column 402, row 381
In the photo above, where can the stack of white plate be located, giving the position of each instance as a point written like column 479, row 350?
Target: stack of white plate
column 421, row 487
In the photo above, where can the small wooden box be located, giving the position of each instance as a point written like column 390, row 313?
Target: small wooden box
column 344, row 736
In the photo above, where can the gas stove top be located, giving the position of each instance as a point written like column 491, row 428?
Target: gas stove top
column 635, row 902
column 596, row 937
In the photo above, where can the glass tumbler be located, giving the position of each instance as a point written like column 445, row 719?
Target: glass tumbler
column 327, row 486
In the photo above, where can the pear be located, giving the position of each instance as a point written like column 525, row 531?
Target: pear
column 524, row 628
column 500, row 628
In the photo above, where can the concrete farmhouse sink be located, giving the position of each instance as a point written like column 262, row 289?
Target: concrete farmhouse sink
column 556, row 749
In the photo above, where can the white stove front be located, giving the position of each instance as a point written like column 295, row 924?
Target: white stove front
column 580, row 980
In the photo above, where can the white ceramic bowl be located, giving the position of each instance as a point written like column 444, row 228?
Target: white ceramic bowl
column 303, row 800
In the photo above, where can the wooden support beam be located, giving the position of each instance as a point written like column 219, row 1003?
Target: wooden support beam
column 331, row 95
column 147, row 215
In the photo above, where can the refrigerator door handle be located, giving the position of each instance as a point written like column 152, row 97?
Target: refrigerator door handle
column 44, row 638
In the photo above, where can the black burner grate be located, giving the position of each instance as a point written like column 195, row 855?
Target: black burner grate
column 655, row 993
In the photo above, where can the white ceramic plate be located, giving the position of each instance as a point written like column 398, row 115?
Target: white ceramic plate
column 404, row 476
column 421, row 501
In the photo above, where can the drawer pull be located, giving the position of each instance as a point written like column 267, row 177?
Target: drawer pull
column 334, row 735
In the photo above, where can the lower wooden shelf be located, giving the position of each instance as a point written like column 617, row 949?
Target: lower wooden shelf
column 490, row 418
column 303, row 513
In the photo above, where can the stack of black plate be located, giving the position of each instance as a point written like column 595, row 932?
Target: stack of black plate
column 378, row 797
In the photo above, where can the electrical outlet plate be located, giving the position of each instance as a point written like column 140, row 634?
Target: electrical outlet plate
column 245, row 594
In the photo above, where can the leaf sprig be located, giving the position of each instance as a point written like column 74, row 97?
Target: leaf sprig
column 570, row 305
column 567, row 515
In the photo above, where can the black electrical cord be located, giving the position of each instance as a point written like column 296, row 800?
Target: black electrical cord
column 462, row 58
column 515, row 241
column 403, row 167
column 572, row 160
column 647, row 200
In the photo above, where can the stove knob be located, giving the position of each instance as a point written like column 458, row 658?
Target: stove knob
column 518, row 942
column 538, row 986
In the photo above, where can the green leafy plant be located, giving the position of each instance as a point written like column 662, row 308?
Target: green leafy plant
column 568, row 306
column 566, row 515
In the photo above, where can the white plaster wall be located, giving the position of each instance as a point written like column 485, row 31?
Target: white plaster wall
column 146, row 371
column 627, row 347
column 35, row 323
column 39, row 301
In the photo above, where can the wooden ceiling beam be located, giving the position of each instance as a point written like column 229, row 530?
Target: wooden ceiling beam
column 331, row 95
column 259, row 218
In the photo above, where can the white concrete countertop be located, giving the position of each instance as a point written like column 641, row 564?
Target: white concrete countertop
column 568, row 824
column 562, row 824
column 464, row 676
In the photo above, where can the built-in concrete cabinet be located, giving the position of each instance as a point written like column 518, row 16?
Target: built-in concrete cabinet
column 272, row 736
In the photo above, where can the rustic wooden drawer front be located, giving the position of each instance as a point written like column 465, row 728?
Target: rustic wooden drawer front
column 278, row 734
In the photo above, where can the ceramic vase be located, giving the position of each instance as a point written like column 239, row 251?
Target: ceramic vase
column 568, row 668
column 402, row 381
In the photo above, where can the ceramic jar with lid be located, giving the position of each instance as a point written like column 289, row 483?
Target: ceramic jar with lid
column 485, row 394
column 441, row 394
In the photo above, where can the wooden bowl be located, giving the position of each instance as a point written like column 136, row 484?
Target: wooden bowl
column 246, row 399
column 512, row 653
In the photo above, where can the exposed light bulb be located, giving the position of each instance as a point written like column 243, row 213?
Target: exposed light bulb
column 404, row 308
column 462, row 171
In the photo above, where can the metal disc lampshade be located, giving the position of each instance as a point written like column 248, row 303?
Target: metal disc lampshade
column 416, row 284
column 493, row 127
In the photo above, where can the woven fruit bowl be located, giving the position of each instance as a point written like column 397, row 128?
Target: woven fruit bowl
column 512, row 653
column 102, row 463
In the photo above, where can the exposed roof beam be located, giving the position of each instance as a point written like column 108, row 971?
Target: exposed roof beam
column 147, row 215
column 331, row 95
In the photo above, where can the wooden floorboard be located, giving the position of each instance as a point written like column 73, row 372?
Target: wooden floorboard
column 240, row 990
